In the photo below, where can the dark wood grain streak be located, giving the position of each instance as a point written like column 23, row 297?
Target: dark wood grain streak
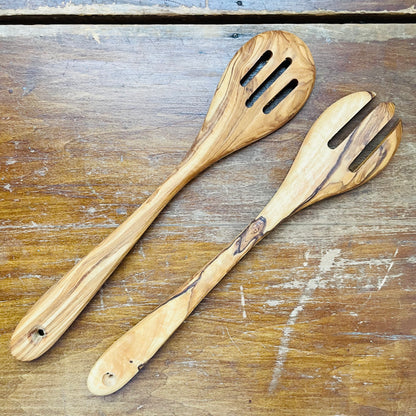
column 253, row 233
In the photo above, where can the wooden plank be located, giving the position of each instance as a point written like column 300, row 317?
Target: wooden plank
column 204, row 8
column 317, row 319
column 314, row 6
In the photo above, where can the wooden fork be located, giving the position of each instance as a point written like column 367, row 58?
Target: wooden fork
column 318, row 172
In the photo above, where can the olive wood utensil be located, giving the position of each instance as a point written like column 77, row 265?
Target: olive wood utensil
column 266, row 83
column 318, row 172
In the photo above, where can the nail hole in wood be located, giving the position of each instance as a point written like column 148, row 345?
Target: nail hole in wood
column 268, row 82
column 278, row 98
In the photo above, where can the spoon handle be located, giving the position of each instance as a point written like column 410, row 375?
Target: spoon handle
column 54, row 312
column 130, row 353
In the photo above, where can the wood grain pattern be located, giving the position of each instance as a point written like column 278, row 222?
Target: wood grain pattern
column 318, row 319
column 230, row 124
column 189, row 8
column 313, row 6
column 318, row 172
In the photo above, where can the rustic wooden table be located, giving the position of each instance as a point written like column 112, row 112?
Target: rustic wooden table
column 317, row 320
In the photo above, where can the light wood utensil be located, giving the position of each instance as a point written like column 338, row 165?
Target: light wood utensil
column 318, row 172
column 266, row 83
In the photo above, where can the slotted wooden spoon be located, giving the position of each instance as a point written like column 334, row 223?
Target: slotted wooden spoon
column 266, row 83
column 318, row 172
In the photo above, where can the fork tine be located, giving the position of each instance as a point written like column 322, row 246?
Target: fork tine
column 322, row 172
column 379, row 157
column 366, row 131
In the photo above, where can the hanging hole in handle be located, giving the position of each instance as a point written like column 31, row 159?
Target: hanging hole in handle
column 37, row 334
column 109, row 379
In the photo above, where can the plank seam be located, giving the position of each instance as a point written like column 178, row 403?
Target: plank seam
column 170, row 17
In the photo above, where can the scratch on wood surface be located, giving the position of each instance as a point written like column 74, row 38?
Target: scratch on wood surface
column 382, row 283
column 231, row 339
column 325, row 265
column 45, row 227
column 307, row 253
column 243, row 302
column 128, row 294
column 389, row 337
column 29, row 276
column 102, row 306
column 141, row 252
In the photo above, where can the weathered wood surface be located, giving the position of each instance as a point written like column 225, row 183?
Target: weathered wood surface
column 317, row 319
column 203, row 7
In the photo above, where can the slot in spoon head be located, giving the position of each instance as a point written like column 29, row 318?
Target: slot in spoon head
column 265, row 84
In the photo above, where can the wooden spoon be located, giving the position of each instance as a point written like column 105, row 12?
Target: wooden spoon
column 318, row 172
column 266, row 83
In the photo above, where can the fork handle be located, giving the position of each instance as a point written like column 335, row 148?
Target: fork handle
column 54, row 312
column 125, row 357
